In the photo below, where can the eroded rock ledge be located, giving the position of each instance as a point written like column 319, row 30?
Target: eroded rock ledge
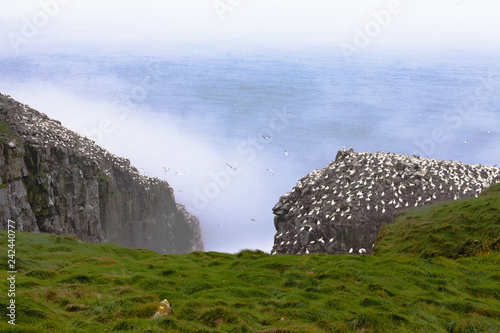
column 54, row 180
column 341, row 208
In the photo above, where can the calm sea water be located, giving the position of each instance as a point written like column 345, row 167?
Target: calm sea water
column 215, row 108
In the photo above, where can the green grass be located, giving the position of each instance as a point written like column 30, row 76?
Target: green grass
column 453, row 229
column 413, row 283
column 6, row 133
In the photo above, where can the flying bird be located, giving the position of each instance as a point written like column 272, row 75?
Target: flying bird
column 231, row 166
column 286, row 153
column 219, row 225
column 180, row 173
column 271, row 171
column 166, row 169
column 266, row 137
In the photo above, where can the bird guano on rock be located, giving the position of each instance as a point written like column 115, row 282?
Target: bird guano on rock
column 347, row 198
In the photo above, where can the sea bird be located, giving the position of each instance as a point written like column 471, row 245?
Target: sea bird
column 230, row 166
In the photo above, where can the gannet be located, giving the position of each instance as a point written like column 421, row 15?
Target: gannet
column 231, row 166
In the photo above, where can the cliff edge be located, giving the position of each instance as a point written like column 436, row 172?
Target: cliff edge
column 342, row 207
column 54, row 180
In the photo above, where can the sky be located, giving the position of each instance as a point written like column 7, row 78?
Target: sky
column 174, row 26
column 412, row 24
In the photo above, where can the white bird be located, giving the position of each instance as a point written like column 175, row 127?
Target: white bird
column 180, row 173
column 286, row 153
column 166, row 169
column 219, row 225
column 266, row 137
column 271, row 171
column 465, row 141
column 361, row 251
column 350, row 251
column 307, row 251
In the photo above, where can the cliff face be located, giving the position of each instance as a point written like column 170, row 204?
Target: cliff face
column 54, row 180
column 341, row 208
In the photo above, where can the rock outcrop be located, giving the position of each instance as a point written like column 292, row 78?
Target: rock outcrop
column 54, row 180
column 341, row 208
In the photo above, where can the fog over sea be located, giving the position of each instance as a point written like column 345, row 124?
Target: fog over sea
column 233, row 130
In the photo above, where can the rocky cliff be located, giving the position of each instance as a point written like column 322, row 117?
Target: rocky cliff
column 54, row 180
column 341, row 208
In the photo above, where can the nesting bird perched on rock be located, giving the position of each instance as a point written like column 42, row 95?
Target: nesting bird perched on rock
column 361, row 192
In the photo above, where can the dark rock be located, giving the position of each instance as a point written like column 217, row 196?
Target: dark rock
column 54, row 180
column 341, row 208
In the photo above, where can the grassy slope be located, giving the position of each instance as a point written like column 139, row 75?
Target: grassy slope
column 425, row 277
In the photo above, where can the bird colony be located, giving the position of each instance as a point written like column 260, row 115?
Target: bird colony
column 341, row 208
column 41, row 131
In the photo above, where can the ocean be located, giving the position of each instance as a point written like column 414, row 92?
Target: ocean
column 233, row 130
